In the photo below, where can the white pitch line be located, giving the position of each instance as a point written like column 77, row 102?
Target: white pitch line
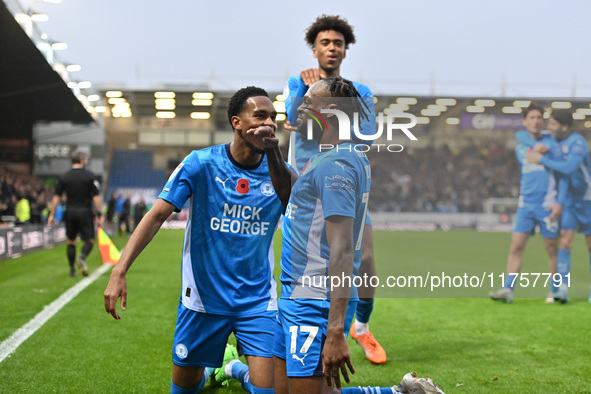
column 8, row 346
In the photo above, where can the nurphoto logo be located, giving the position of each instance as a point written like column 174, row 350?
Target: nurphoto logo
column 363, row 132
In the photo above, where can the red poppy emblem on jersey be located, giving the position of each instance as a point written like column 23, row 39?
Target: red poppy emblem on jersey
column 242, row 186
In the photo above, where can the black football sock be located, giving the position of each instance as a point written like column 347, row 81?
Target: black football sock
column 71, row 254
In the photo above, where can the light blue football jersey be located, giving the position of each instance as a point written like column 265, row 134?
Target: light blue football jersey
column 334, row 182
column 227, row 259
column 538, row 184
column 301, row 150
column 576, row 164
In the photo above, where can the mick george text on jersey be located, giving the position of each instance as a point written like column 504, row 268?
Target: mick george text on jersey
column 240, row 219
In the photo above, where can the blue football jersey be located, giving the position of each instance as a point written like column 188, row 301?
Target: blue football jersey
column 576, row 165
column 538, row 184
column 334, row 182
column 227, row 259
column 301, row 150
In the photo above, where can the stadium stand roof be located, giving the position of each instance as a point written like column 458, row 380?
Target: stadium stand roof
column 30, row 90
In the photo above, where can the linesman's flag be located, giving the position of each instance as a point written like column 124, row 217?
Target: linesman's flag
column 108, row 250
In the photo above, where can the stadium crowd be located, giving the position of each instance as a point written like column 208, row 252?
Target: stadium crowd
column 23, row 198
column 431, row 179
column 440, row 179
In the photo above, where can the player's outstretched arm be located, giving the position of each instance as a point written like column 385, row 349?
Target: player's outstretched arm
column 335, row 354
column 141, row 237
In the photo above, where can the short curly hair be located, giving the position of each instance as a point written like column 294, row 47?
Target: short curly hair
column 238, row 101
column 533, row 107
column 330, row 22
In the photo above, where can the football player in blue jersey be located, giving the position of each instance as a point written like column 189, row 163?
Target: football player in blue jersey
column 541, row 200
column 330, row 37
column 227, row 263
column 576, row 165
column 323, row 229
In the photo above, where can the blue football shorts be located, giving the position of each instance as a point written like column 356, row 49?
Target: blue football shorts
column 200, row 338
column 301, row 333
column 529, row 215
column 577, row 216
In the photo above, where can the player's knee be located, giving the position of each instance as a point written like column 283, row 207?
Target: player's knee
column 566, row 243
column 262, row 381
column 516, row 248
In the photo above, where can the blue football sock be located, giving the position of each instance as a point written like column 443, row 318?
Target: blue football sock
column 364, row 309
column 367, row 390
column 240, row 372
column 563, row 264
column 258, row 390
column 510, row 281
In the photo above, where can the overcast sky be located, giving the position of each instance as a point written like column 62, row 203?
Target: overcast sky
column 454, row 47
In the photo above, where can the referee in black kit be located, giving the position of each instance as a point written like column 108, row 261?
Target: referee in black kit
column 82, row 190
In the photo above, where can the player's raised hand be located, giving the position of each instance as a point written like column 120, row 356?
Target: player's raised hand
column 336, row 359
column 541, row 148
column 266, row 135
column 116, row 288
column 311, row 75
column 533, row 157
column 289, row 127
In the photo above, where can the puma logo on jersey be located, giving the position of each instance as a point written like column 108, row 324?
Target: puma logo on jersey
column 340, row 164
column 217, row 178
column 295, row 357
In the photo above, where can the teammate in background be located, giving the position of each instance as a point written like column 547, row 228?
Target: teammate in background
column 577, row 210
column 227, row 264
column 82, row 191
column 330, row 37
column 322, row 232
column 538, row 203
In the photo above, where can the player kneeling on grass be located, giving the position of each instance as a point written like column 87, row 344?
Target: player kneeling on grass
column 227, row 263
column 322, row 238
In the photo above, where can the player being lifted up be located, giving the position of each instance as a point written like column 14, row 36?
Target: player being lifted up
column 227, row 263
column 576, row 165
column 330, row 37
column 322, row 232
column 542, row 196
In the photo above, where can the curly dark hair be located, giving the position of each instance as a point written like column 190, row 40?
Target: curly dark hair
column 237, row 102
column 330, row 22
column 341, row 87
column 533, row 107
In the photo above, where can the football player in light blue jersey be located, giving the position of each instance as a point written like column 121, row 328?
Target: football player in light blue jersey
column 227, row 263
column 577, row 210
column 330, row 37
column 542, row 196
column 323, row 231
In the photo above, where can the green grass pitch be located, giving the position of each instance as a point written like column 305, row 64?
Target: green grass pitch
column 466, row 342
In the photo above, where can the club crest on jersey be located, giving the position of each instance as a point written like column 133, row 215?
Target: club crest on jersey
column 243, row 186
column 267, row 188
column 181, row 351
